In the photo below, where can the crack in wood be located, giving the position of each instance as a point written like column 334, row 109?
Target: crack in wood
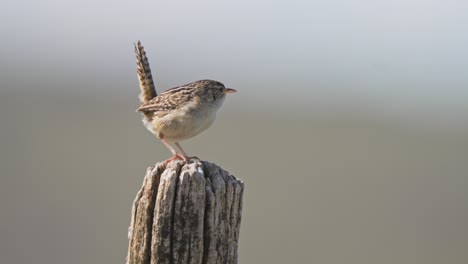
column 186, row 213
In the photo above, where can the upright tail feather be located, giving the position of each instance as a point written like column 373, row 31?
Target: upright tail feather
column 145, row 78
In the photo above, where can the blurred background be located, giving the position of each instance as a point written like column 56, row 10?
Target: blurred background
column 350, row 127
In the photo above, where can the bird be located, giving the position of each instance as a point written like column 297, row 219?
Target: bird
column 178, row 113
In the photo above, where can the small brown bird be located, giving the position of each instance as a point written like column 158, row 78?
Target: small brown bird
column 178, row 113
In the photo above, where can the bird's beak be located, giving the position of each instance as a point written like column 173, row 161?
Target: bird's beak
column 229, row 90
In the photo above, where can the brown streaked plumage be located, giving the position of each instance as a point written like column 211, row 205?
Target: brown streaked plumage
column 145, row 78
column 178, row 113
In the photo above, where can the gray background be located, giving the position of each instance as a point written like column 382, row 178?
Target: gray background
column 350, row 127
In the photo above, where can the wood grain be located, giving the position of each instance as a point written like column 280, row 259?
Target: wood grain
column 186, row 213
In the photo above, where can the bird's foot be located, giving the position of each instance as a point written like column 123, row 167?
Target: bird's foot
column 181, row 157
column 176, row 156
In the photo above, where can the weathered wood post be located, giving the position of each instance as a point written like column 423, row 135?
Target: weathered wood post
column 186, row 213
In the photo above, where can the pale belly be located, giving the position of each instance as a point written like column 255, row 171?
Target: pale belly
column 180, row 126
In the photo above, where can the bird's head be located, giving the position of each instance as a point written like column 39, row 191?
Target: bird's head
column 215, row 90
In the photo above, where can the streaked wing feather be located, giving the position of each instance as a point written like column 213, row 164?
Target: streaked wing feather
column 168, row 100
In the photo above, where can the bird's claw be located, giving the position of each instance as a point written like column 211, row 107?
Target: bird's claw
column 181, row 157
column 176, row 156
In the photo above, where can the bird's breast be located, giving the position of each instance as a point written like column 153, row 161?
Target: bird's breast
column 184, row 123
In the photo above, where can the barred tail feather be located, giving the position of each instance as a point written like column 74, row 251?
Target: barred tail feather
column 148, row 91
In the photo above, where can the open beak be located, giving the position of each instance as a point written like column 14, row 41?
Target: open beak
column 229, row 90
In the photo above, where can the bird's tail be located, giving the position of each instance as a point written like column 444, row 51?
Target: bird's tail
column 145, row 78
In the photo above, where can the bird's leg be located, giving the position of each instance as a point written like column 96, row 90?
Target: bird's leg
column 181, row 149
column 183, row 152
column 174, row 152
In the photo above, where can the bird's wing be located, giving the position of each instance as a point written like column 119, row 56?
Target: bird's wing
column 148, row 91
column 169, row 100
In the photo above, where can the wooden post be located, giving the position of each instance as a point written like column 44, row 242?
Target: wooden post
column 186, row 213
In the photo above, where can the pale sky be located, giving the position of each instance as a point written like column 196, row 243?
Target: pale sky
column 412, row 54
